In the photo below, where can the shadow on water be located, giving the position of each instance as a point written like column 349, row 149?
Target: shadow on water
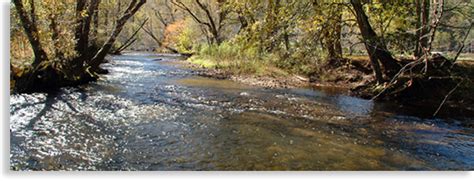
column 48, row 105
column 149, row 114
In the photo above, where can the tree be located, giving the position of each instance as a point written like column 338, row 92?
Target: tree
column 84, row 23
column 83, row 27
column 213, row 22
column 54, row 65
column 331, row 27
column 98, row 58
column 28, row 21
column 422, row 26
column 379, row 55
column 162, row 14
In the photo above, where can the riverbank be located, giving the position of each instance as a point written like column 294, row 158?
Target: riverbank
column 148, row 114
column 247, row 79
column 343, row 78
column 351, row 76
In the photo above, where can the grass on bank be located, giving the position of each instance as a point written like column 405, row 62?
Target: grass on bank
column 235, row 60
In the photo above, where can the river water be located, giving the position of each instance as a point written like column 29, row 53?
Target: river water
column 150, row 114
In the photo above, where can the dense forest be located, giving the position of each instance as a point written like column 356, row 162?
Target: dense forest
column 379, row 49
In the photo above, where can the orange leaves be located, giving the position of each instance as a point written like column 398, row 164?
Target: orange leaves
column 180, row 35
column 173, row 31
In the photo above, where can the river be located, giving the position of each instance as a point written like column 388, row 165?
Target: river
column 151, row 114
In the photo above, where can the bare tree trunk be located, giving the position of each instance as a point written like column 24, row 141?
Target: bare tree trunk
column 329, row 45
column 376, row 49
column 438, row 12
column 131, row 39
column 437, row 15
column 134, row 6
column 158, row 41
column 338, row 34
column 80, row 6
column 418, row 26
column 423, row 28
column 213, row 25
column 84, row 31
column 31, row 31
column 332, row 37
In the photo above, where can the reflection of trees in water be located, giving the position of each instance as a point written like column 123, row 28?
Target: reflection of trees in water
column 61, row 135
column 52, row 99
column 48, row 104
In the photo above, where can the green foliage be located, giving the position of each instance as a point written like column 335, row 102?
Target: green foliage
column 297, row 36
column 231, row 57
column 184, row 41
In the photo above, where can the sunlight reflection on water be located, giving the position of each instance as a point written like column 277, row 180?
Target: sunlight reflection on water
column 150, row 115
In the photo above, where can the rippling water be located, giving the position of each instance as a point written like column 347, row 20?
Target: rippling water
column 149, row 114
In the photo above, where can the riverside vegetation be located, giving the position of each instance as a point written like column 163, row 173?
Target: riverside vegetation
column 407, row 50
column 241, row 85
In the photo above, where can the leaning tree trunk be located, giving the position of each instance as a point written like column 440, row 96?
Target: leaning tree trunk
column 80, row 6
column 130, row 40
column 31, row 31
column 134, row 6
column 213, row 25
column 83, row 41
column 82, row 34
column 158, row 41
column 376, row 49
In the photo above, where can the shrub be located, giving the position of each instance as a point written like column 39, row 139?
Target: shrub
column 229, row 56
